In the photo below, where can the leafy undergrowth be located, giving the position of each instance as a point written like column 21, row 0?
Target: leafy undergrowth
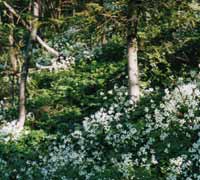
column 156, row 139
column 59, row 100
column 81, row 125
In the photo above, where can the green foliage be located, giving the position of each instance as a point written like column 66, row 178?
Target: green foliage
column 122, row 140
column 80, row 123
column 61, row 99
column 112, row 51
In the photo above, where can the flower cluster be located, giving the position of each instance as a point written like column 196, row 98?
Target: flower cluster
column 69, row 46
column 123, row 141
column 9, row 131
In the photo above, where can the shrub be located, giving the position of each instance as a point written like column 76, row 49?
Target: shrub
column 112, row 145
column 111, row 51
column 162, row 143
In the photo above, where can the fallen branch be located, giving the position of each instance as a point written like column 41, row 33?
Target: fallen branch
column 47, row 47
column 40, row 41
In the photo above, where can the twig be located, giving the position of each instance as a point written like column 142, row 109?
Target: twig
column 40, row 41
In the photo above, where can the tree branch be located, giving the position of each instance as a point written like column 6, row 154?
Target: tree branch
column 40, row 41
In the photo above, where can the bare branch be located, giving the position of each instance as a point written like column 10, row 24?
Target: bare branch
column 40, row 41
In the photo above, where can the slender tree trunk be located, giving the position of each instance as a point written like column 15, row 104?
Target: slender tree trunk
column 73, row 11
column 74, row 6
column 133, row 70
column 22, row 84
column 22, row 98
column 35, row 21
column 12, row 89
column 13, row 59
column 59, row 9
column 25, row 67
column 104, row 38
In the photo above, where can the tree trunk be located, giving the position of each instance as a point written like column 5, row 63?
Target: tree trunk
column 12, row 89
column 104, row 38
column 22, row 84
column 74, row 9
column 13, row 59
column 22, row 98
column 25, row 67
column 133, row 70
column 59, row 8
column 35, row 21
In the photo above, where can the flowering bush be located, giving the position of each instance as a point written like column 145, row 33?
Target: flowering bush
column 162, row 142
column 68, row 45
column 9, row 131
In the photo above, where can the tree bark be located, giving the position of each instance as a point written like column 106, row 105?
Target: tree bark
column 133, row 69
column 104, row 38
column 25, row 67
column 22, row 84
column 13, row 59
column 59, row 8
column 22, row 97
column 35, row 21
column 12, row 89
column 47, row 47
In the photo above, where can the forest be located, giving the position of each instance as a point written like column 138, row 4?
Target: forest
column 99, row 90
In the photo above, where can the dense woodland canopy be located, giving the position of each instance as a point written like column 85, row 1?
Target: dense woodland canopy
column 99, row 90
